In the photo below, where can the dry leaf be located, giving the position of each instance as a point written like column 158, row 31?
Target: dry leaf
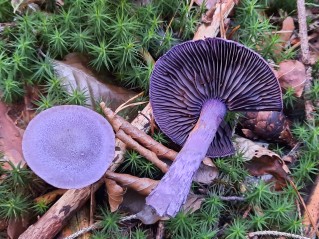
column 206, row 173
column 260, row 161
column 193, row 203
column 267, row 125
column 115, row 194
column 211, row 29
column 10, row 139
column 292, row 74
column 75, row 75
column 141, row 185
column 17, row 226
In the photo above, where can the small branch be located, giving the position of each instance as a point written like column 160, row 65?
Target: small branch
column 303, row 32
column 232, row 198
column 94, row 226
column 276, row 234
column 118, row 123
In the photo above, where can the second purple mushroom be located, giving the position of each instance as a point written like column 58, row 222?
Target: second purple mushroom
column 192, row 87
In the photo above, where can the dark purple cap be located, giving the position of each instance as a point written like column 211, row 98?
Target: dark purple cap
column 69, row 146
column 195, row 71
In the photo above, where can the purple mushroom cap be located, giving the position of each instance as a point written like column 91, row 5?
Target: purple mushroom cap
column 195, row 71
column 69, row 146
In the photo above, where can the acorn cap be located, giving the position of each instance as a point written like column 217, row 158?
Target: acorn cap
column 69, row 146
column 195, row 71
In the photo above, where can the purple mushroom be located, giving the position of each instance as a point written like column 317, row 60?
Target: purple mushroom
column 192, row 87
column 69, row 146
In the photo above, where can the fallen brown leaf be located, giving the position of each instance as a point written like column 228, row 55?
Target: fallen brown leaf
column 261, row 161
column 292, row 74
column 206, row 173
column 193, row 203
column 76, row 75
column 17, row 226
column 10, row 139
column 115, row 194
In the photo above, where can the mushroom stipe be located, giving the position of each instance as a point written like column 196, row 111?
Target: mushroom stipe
column 192, row 87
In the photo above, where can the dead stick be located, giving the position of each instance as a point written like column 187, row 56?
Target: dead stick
column 118, row 123
column 303, row 32
column 276, row 234
column 54, row 219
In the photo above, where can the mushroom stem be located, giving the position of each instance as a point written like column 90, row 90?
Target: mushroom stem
column 167, row 198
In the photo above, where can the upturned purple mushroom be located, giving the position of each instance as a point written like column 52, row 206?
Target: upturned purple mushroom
column 192, row 87
column 69, row 146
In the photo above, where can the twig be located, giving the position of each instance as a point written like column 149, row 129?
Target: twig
column 94, row 226
column 303, row 33
column 92, row 205
column 122, row 106
column 276, row 234
column 232, row 198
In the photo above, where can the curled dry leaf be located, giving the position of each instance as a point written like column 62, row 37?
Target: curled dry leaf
column 260, row 161
column 75, row 75
column 17, row 226
column 267, row 125
column 115, row 194
column 292, row 74
column 193, row 202
column 10, row 139
column 141, row 185
column 206, row 173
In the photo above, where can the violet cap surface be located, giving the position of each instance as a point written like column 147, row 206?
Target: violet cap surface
column 69, row 146
column 195, row 71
